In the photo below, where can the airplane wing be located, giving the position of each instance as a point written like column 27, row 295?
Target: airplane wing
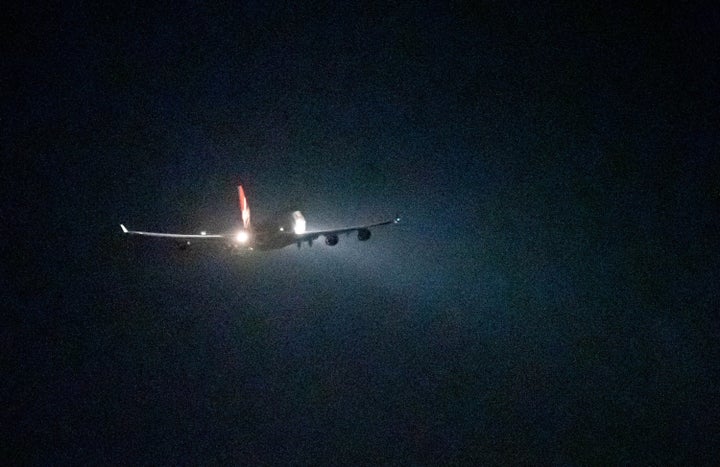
column 313, row 234
column 194, row 237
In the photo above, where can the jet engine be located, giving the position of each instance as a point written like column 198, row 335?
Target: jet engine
column 363, row 234
column 331, row 239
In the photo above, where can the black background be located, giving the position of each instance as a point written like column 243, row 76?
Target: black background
column 549, row 298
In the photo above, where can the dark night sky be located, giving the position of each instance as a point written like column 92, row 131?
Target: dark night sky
column 550, row 298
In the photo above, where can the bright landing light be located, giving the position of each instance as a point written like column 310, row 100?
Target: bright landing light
column 299, row 223
column 299, row 226
column 242, row 236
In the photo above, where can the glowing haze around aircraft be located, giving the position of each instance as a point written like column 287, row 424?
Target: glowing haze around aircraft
column 264, row 237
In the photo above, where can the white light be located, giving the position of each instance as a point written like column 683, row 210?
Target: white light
column 282, row 229
column 242, row 237
column 203, row 233
column 299, row 225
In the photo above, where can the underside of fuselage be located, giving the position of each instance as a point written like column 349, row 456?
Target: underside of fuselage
column 264, row 240
column 278, row 232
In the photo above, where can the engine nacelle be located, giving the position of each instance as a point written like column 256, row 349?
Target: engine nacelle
column 363, row 234
column 331, row 239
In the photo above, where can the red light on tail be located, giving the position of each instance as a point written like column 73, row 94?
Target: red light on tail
column 244, row 207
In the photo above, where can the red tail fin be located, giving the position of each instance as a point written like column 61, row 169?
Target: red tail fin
column 244, row 207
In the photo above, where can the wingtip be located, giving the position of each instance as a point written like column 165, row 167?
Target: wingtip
column 123, row 228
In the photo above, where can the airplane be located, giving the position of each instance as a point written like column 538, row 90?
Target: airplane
column 264, row 237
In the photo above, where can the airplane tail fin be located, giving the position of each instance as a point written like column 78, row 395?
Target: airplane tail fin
column 244, row 207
